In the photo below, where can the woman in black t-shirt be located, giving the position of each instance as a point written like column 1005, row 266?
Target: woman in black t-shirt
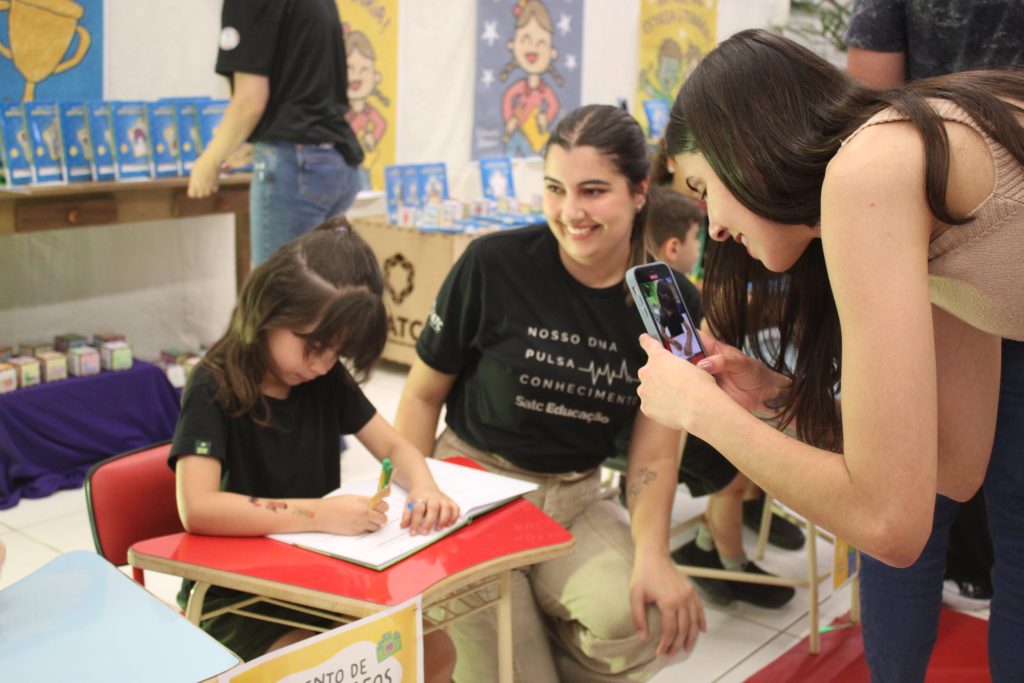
column 532, row 347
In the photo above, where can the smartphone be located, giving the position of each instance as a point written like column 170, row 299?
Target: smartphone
column 662, row 309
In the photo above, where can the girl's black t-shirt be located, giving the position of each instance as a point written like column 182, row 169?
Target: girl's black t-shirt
column 297, row 457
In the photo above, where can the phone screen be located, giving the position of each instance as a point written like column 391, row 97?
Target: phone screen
column 662, row 309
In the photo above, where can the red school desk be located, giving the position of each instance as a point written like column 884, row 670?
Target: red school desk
column 455, row 575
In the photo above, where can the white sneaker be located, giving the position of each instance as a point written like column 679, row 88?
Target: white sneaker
column 964, row 595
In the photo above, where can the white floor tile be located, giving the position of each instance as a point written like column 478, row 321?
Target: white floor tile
column 24, row 556
column 66, row 533
column 762, row 657
column 728, row 642
column 33, row 510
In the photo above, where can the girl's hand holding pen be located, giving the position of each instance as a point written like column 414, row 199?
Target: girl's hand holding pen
column 351, row 515
column 427, row 509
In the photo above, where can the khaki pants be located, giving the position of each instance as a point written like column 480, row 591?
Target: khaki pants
column 571, row 619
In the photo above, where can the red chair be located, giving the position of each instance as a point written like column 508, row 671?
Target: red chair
column 130, row 497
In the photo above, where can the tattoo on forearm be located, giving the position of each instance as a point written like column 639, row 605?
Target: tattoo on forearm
column 642, row 479
column 276, row 505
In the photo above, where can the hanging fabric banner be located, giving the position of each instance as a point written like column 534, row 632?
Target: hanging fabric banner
column 51, row 50
column 674, row 35
column 371, row 52
column 528, row 60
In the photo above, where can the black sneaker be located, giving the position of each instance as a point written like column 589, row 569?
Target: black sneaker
column 715, row 591
column 781, row 532
column 761, row 594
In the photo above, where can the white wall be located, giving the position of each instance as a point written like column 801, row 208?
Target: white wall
column 171, row 283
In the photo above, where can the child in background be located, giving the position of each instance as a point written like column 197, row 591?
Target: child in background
column 672, row 229
column 256, row 445
column 673, row 224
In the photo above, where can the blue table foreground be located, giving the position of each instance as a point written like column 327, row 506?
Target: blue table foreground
column 77, row 618
column 50, row 434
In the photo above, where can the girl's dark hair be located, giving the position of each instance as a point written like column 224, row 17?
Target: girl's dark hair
column 614, row 133
column 327, row 277
column 769, row 115
column 669, row 214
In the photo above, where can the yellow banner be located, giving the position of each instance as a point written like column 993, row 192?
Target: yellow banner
column 845, row 564
column 674, row 35
column 386, row 647
column 371, row 51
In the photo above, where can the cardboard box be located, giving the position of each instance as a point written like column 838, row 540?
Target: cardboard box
column 132, row 140
column 17, row 150
column 74, row 133
column 83, row 361
column 190, row 364
column 34, row 348
column 68, row 341
column 101, row 135
column 5, row 352
column 27, row 369
column 116, row 355
column 414, row 264
column 188, row 134
column 54, row 366
column 175, row 374
column 8, row 378
column 163, row 125
column 172, row 355
column 496, row 177
column 43, row 121
column 101, row 338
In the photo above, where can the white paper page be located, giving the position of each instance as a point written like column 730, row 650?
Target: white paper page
column 474, row 490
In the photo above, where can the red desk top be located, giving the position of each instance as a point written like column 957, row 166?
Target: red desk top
column 514, row 535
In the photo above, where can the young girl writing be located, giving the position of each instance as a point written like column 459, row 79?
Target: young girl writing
column 256, row 445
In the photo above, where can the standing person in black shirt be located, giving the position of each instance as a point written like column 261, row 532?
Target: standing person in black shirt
column 532, row 345
column 286, row 63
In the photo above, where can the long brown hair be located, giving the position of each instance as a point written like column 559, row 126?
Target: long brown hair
column 328, row 277
column 614, row 133
column 768, row 115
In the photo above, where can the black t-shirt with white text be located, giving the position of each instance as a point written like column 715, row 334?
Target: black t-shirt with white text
column 298, row 45
column 546, row 366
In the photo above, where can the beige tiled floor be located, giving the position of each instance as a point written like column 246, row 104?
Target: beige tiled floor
column 741, row 639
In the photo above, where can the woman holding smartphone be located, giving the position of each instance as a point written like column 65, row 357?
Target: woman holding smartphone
column 897, row 217
column 532, row 348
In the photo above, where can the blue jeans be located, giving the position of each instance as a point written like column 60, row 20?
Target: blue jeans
column 901, row 606
column 295, row 188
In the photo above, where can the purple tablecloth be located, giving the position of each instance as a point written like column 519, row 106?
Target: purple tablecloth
column 51, row 434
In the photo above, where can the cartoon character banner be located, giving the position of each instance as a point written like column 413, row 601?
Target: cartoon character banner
column 371, row 52
column 674, row 35
column 528, row 59
column 51, row 50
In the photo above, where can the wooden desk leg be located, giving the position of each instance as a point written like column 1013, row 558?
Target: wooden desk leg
column 196, row 598
column 243, row 249
column 812, row 588
column 505, row 627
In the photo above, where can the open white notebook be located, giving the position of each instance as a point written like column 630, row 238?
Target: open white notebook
column 475, row 491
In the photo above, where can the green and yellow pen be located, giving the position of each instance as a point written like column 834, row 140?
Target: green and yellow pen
column 385, row 481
